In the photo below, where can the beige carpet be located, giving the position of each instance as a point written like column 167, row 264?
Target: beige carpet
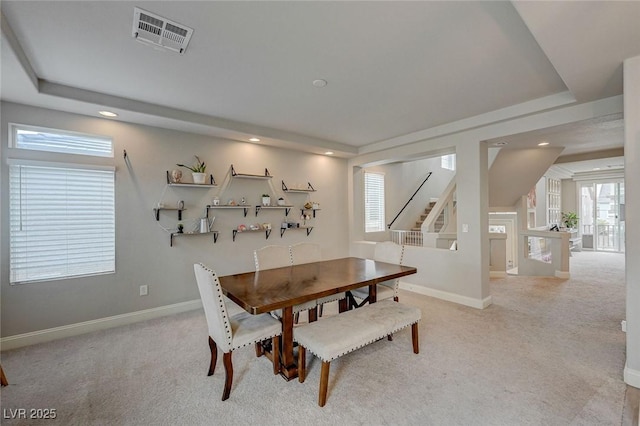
column 547, row 352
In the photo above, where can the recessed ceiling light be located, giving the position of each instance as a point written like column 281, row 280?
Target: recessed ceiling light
column 596, row 168
column 107, row 114
column 500, row 143
column 328, row 153
column 319, row 83
column 254, row 140
column 543, row 144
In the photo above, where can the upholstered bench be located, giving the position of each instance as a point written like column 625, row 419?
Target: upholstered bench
column 335, row 336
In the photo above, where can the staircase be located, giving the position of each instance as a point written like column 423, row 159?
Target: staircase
column 439, row 223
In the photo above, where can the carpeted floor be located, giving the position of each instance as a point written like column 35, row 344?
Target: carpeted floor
column 547, row 352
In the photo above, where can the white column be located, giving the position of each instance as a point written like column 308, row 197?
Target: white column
column 472, row 186
column 632, row 213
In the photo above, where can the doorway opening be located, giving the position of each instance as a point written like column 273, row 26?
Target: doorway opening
column 602, row 216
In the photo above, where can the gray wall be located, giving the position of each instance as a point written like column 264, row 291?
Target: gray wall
column 143, row 255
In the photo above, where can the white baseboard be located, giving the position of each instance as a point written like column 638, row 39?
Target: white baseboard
column 450, row 297
column 632, row 377
column 497, row 274
column 563, row 274
column 41, row 336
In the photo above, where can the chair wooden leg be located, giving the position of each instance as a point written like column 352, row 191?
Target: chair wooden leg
column 390, row 337
column 296, row 317
column 275, row 352
column 324, row 383
column 395, row 299
column 414, row 338
column 320, row 310
column 3, row 378
column 259, row 349
column 214, row 356
column 228, row 378
column 302, row 364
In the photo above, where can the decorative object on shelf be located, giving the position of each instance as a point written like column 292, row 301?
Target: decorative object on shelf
column 197, row 171
column 570, row 219
column 232, row 202
column 180, row 228
column 176, row 176
column 281, row 201
column 160, row 205
column 204, row 225
column 216, row 201
column 308, row 205
column 180, row 205
column 242, row 228
column 315, row 206
column 266, row 200
column 266, row 226
column 243, row 201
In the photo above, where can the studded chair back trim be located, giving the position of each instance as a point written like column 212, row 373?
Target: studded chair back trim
column 305, row 253
column 273, row 256
column 215, row 309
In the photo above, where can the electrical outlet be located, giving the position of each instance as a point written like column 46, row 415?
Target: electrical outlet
column 144, row 290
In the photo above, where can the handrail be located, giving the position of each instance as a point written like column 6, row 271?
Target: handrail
column 410, row 199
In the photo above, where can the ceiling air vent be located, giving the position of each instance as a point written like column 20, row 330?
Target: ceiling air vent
column 158, row 31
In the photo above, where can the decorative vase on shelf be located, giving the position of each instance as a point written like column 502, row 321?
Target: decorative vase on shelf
column 199, row 178
column 176, row 176
column 266, row 201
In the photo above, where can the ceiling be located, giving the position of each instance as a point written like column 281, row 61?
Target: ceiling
column 392, row 68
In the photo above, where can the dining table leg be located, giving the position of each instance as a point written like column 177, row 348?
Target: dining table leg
column 288, row 370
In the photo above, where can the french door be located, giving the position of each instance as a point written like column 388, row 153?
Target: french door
column 602, row 215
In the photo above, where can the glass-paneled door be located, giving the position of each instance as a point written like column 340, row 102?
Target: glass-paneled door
column 602, row 215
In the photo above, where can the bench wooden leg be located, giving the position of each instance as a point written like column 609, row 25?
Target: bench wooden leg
column 324, row 383
column 3, row 378
column 302, row 363
column 276, row 354
column 259, row 349
column 214, row 356
column 414, row 338
column 228, row 379
column 313, row 314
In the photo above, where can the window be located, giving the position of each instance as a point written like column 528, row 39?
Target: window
column 373, row 202
column 61, row 215
column 50, row 140
column 448, row 162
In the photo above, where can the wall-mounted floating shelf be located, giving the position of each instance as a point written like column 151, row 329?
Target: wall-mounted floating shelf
column 245, row 208
column 286, row 209
column 308, row 228
column 190, row 234
column 156, row 212
column 249, row 176
column 309, row 188
column 309, row 210
column 267, row 232
column 212, row 183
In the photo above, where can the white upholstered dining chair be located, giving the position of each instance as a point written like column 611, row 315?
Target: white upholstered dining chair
column 310, row 252
column 389, row 252
column 274, row 256
column 232, row 332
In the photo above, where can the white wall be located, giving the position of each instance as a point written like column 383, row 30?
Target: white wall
column 632, row 198
column 143, row 255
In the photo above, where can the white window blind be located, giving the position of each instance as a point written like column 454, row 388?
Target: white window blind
column 373, row 202
column 51, row 140
column 62, row 221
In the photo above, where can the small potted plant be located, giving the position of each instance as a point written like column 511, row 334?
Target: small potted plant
column 266, row 200
column 570, row 219
column 180, row 228
column 281, row 201
column 197, row 170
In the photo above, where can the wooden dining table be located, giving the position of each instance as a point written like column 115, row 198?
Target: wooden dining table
column 281, row 288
